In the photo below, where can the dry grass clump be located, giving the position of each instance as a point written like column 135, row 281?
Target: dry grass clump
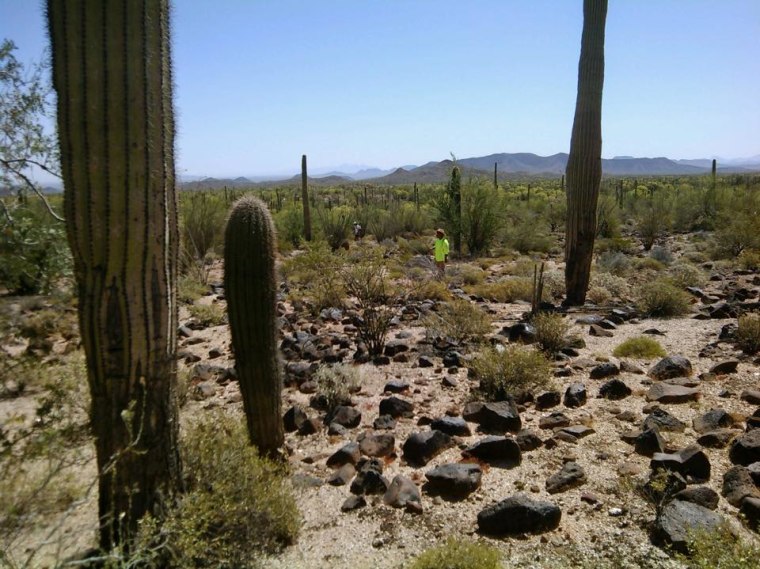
column 459, row 320
column 506, row 290
column 599, row 295
column 720, row 549
column 335, row 383
column 748, row 333
column 685, row 274
column 640, row 347
column 458, row 554
column 208, row 314
column 661, row 299
column 503, row 372
column 550, row 331
column 430, row 290
column 618, row 287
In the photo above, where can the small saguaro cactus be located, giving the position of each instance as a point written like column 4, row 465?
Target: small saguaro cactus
column 305, row 200
column 250, row 286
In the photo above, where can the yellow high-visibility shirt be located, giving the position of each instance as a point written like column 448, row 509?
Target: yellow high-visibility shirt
column 441, row 249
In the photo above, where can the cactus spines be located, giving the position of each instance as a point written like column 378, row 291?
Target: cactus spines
column 305, row 200
column 112, row 74
column 250, row 287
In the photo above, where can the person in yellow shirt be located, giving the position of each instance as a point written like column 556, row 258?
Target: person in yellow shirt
column 441, row 251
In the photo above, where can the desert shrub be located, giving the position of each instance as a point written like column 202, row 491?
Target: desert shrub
column 190, row 289
column 524, row 233
column 34, row 252
column 208, row 314
column 749, row 259
column 202, row 216
column 619, row 244
column 617, row 286
column 513, row 369
column 748, row 333
column 480, row 216
column 661, row 254
column 599, row 295
column 661, row 299
column 739, row 225
column 458, row 554
column 430, row 290
column 720, row 549
column 554, row 284
column 550, row 331
column 685, row 274
column 466, row 274
column 505, row 290
column 289, row 224
column 238, row 505
column 316, row 271
column 607, row 218
column 385, row 224
column 335, row 225
column 613, row 262
column 648, row 264
column 336, row 383
column 652, row 221
column 459, row 320
column 639, row 347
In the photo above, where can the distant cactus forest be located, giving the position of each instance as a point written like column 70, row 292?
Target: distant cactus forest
column 280, row 374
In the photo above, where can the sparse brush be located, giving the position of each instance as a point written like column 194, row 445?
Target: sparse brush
column 599, row 295
column 506, row 290
column 720, row 548
column 458, row 554
column 661, row 254
column 430, row 290
column 190, row 289
column 459, row 320
column 661, row 299
column 748, row 333
column 685, row 274
column 336, row 383
column 749, row 259
column 617, row 286
column 208, row 314
column 639, row 347
column 613, row 262
column 550, row 331
column 505, row 372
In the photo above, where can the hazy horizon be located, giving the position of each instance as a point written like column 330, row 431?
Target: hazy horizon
column 390, row 83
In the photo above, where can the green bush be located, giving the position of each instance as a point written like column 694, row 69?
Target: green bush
column 639, row 347
column 238, row 505
column 480, row 216
column 614, row 262
column 661, row 299
column 685, row 274
column 458, row 554
column 617, row 286
column 202, row 217
column 459, row 320
column 208, row 314
column 550, row 331
column 335, row 225
column 599, row 295
column 316, row 273
column 508, row 371
column 506, row 290
column 720, row 549
column 748, row 333
column 289, row 224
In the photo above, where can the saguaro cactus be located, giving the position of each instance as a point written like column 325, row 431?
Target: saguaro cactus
column 584, row 165
column 250, row 286
column 112, row 74
column 305, row 200
column 455, row 203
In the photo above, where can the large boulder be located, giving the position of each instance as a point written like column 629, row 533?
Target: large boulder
column 690, row 462
column 746, row 448
column 679, row 520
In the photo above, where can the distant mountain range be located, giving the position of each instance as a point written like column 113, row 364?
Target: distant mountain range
column 508, row 166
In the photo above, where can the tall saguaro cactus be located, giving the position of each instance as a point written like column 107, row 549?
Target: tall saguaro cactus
column 305, row 200
column 112, row 75
column 584, row 165
column 250, row 287
column 455, row 203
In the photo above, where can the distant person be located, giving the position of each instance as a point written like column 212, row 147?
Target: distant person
column 441, row 251
column 357, row 231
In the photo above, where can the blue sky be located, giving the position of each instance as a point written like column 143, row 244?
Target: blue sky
column 391, row 82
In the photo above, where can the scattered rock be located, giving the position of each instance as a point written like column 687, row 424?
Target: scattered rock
column 604, row 370
column 630, row 367
column 554, row 420
column 746, row 448
column 453, row 480
column 395, row 347
column 294, row 418
column 353, row 503
column 454, row 426
column 614, row 389
column 596, row 330
column 527, row 440
column 571, row 475
column 498, row 417
column 377, row 445
column 725, row 367
column 521, row 332
column 663, row 420
column 671, row 366
column 496, row 450
column 737, row 485
column 309, row 427
column 702, row 495
column 719, row 438
column 396, row 386
column 384, row 423
column 349, row 417
column 396, row 407
column 420, row 448
column 750, row 509
column 678, row 521
column 649, row 442
column 342, row 475
column 548, row 399
column 751, row 396
column 712, row 420
column 690, row 462
column 575, row 395
column 519, row 514
column 403, row 493
column 667, row 393
column 347, row 454
column 425, row 361
column 370, row 479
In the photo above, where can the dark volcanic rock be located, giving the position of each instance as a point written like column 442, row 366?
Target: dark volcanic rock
column 737, row 485
column 519, row 514
column 614, row 389
column 649, row 442
column 353, row 503
column 396, row 386
column 570, row 476
column 384, row 423
column 607, row 369
column 349, row 417
column 596, row 330
column 527, row 440
column 548, row 399
column 377, row 445
column 690, row 462
column 396, row 407
column 678, row 521
column 671, row 366
column 498, row 417
column 294, row 418
column 746, row 448
column 347, row 454
column 702, row 495
column 495, row 450
column 342, row 475
column 712, row 420
column 751, row 511
column 395, row 347
column 420, row 448
column 664, row 421
column 453, row 480
column 751, row 396
column 454, row 426
column 719, row 438
column 521, row 332
column 554, row 421
column 370, row 479
column 725, row 367
column 575, row 395
column 403, row 493
column 667, row 393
